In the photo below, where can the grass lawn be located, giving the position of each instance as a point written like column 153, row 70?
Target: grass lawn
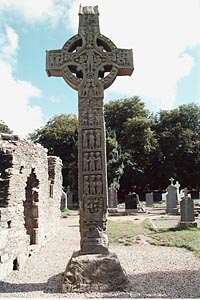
column 127, row 232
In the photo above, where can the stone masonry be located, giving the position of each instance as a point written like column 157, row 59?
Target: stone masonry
column 30, row 195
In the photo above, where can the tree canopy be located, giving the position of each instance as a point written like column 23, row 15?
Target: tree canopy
column 143, row 150
column 4, row 128
column 60, row 137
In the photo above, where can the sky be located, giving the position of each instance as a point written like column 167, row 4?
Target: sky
column 164, row 36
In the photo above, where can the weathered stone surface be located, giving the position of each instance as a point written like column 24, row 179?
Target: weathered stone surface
column 171, row 200
column 187, row 212
column 94, row 273
column 30, row 194
column 112, row 200
column 89, row 62
column 131, row 201
column 149, row 199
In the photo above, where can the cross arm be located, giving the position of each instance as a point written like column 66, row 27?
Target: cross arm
column 123, row 60
column 54, row 62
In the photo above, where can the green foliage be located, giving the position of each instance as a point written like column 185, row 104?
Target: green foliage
column 178, row 135
column 4, row 128
column 60, row 136
column 115, row 165
column 130, row 120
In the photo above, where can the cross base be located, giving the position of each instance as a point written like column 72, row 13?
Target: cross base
column 94, row 273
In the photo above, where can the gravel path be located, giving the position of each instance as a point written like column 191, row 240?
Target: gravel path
column 154, row 272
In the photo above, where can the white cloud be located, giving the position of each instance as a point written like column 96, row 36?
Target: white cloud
column 16, row 110
column 54, row 99
column 8, row 43
column 160, row 33
column 35, row 11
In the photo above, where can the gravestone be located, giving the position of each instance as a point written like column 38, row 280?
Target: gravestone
column 149, row 199
column 112, row 199
column 187, row 212
column 131, row 201
column 89, row 62
column 164, row 198
column 177, row 185
column 182, row 194
column 63, row 204
column 69, row 198
column 171, row 199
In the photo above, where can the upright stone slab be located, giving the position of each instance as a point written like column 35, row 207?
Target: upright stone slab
column 172, row 200
column 177, row 185
column 187, row 212
column 164, row 198
column 149, row 199
column 69, row 198
column 112, row 199
column 89, row 62
column 131, row 202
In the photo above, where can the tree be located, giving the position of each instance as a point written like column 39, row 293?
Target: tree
column 115, row 165
column 132, row 124
column 4, row 128
column 60, row 137
column 178, row 134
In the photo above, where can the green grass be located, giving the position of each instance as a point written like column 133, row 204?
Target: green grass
column 176, row 237
column 66, row 212
column 127, row 232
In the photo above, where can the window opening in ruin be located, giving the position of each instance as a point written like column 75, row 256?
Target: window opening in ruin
column 15, row 265
column 31, row 207
column 21, row 169
column 51, row 190
column 9, row 224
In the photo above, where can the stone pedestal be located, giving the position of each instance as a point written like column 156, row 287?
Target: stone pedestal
column 172, row 211
column 94, row 273
column 187, row 224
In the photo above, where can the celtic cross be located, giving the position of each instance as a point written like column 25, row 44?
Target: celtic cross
column 89, row 62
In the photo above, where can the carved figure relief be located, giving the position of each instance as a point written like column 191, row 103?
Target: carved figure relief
column 85, row 139
column 90, row 88
column 85, row 162
column 92, row 161
column 97, row 138
column 92, row 185
column 84, row 118
column 90, row 118
column 99, row 185
column 97, row 119
column 98, row 161
column 91, row 139
column 86, row 185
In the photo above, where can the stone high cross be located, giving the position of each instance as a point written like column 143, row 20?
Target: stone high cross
column 89, row 62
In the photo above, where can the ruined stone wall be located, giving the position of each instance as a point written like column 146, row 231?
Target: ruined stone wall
column 29, row 211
